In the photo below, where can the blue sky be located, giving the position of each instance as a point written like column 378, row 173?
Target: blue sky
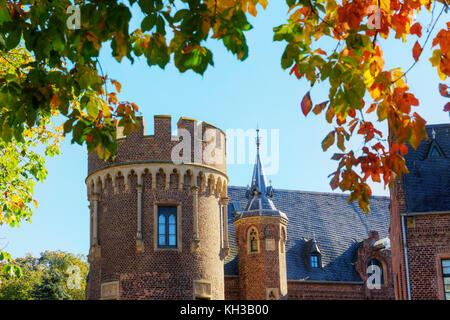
column 230, row 95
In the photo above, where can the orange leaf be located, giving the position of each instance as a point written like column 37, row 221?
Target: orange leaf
column 320, row 51
column 295, row 71
column 403, row 149
column 417, row 50
column 306, row 104
column 372, row 107
column 319, row 107
column 416, row 29
column 328, row 141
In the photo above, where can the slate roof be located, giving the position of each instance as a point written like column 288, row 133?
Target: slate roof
column 428, row 183
column 338, row 227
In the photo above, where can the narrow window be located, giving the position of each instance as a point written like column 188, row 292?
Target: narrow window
column 446, row 278
column 167, row 227
column 314, row 261
column 253, row 241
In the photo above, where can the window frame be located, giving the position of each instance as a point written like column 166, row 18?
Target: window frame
column 250, row 240
column 167, row 234
column 443, row 277
column 316, row 261
column 178, row 227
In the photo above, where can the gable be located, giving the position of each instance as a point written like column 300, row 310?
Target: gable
column 428, row 183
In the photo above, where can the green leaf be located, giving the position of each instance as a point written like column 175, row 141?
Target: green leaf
column 4, row 15
column 148, row 23
column 92, row 107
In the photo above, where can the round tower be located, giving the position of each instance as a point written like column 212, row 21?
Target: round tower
column 157, row 213
column 261, row 238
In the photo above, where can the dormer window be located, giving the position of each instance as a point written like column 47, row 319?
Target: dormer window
column 434, row 153
column 435, row 150
column 315, row 256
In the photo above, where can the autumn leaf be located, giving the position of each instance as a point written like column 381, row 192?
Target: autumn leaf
column 417, row 51
column 443, row 90
column 416, row 29
column 447, row 107
column 319, row 107
column 328, row 141
column 306, row 104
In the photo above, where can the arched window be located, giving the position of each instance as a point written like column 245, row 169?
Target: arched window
column 372, row 266
column 253, row 241
column 167, row 227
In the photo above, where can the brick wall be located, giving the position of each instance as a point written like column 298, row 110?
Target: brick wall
column 325, row 291
column 428, row 240
column 265, row 269
column 232, row 290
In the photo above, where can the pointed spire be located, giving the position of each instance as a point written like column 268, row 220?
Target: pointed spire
column 434, row 134
column 259, row 193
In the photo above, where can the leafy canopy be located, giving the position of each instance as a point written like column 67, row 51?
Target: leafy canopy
column 66, row 77
column 47, row 277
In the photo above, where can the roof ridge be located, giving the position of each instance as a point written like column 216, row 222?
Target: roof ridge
column 437, row 125
column 312, row 192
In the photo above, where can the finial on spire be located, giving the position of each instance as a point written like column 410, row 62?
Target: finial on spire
column 434, row 134
column 257, row 137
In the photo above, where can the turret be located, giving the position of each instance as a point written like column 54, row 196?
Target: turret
column 157, row 215
column 261, row 239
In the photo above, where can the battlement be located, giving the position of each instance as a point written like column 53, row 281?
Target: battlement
column 195, row 142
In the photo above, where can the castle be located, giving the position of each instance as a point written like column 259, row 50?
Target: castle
column 165, row 224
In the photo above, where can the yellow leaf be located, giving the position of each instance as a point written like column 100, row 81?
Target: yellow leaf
column 252, row 9
column 263, row 3
column 385, row 6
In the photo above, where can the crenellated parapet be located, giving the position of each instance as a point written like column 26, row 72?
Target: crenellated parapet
column 194, row 142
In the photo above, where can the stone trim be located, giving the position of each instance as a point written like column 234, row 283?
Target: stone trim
column 202, row 289
column 425, row 213
column 109, row 290
column 219, row 180
column 137, row 164
column 274, row 291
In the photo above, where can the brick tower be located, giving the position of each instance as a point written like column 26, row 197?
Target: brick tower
column 261, row 238
column 157, row 214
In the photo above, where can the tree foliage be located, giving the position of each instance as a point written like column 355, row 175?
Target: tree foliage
column 52, row 276
column 65, row 76
column 359, row 83
column 22, row 165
